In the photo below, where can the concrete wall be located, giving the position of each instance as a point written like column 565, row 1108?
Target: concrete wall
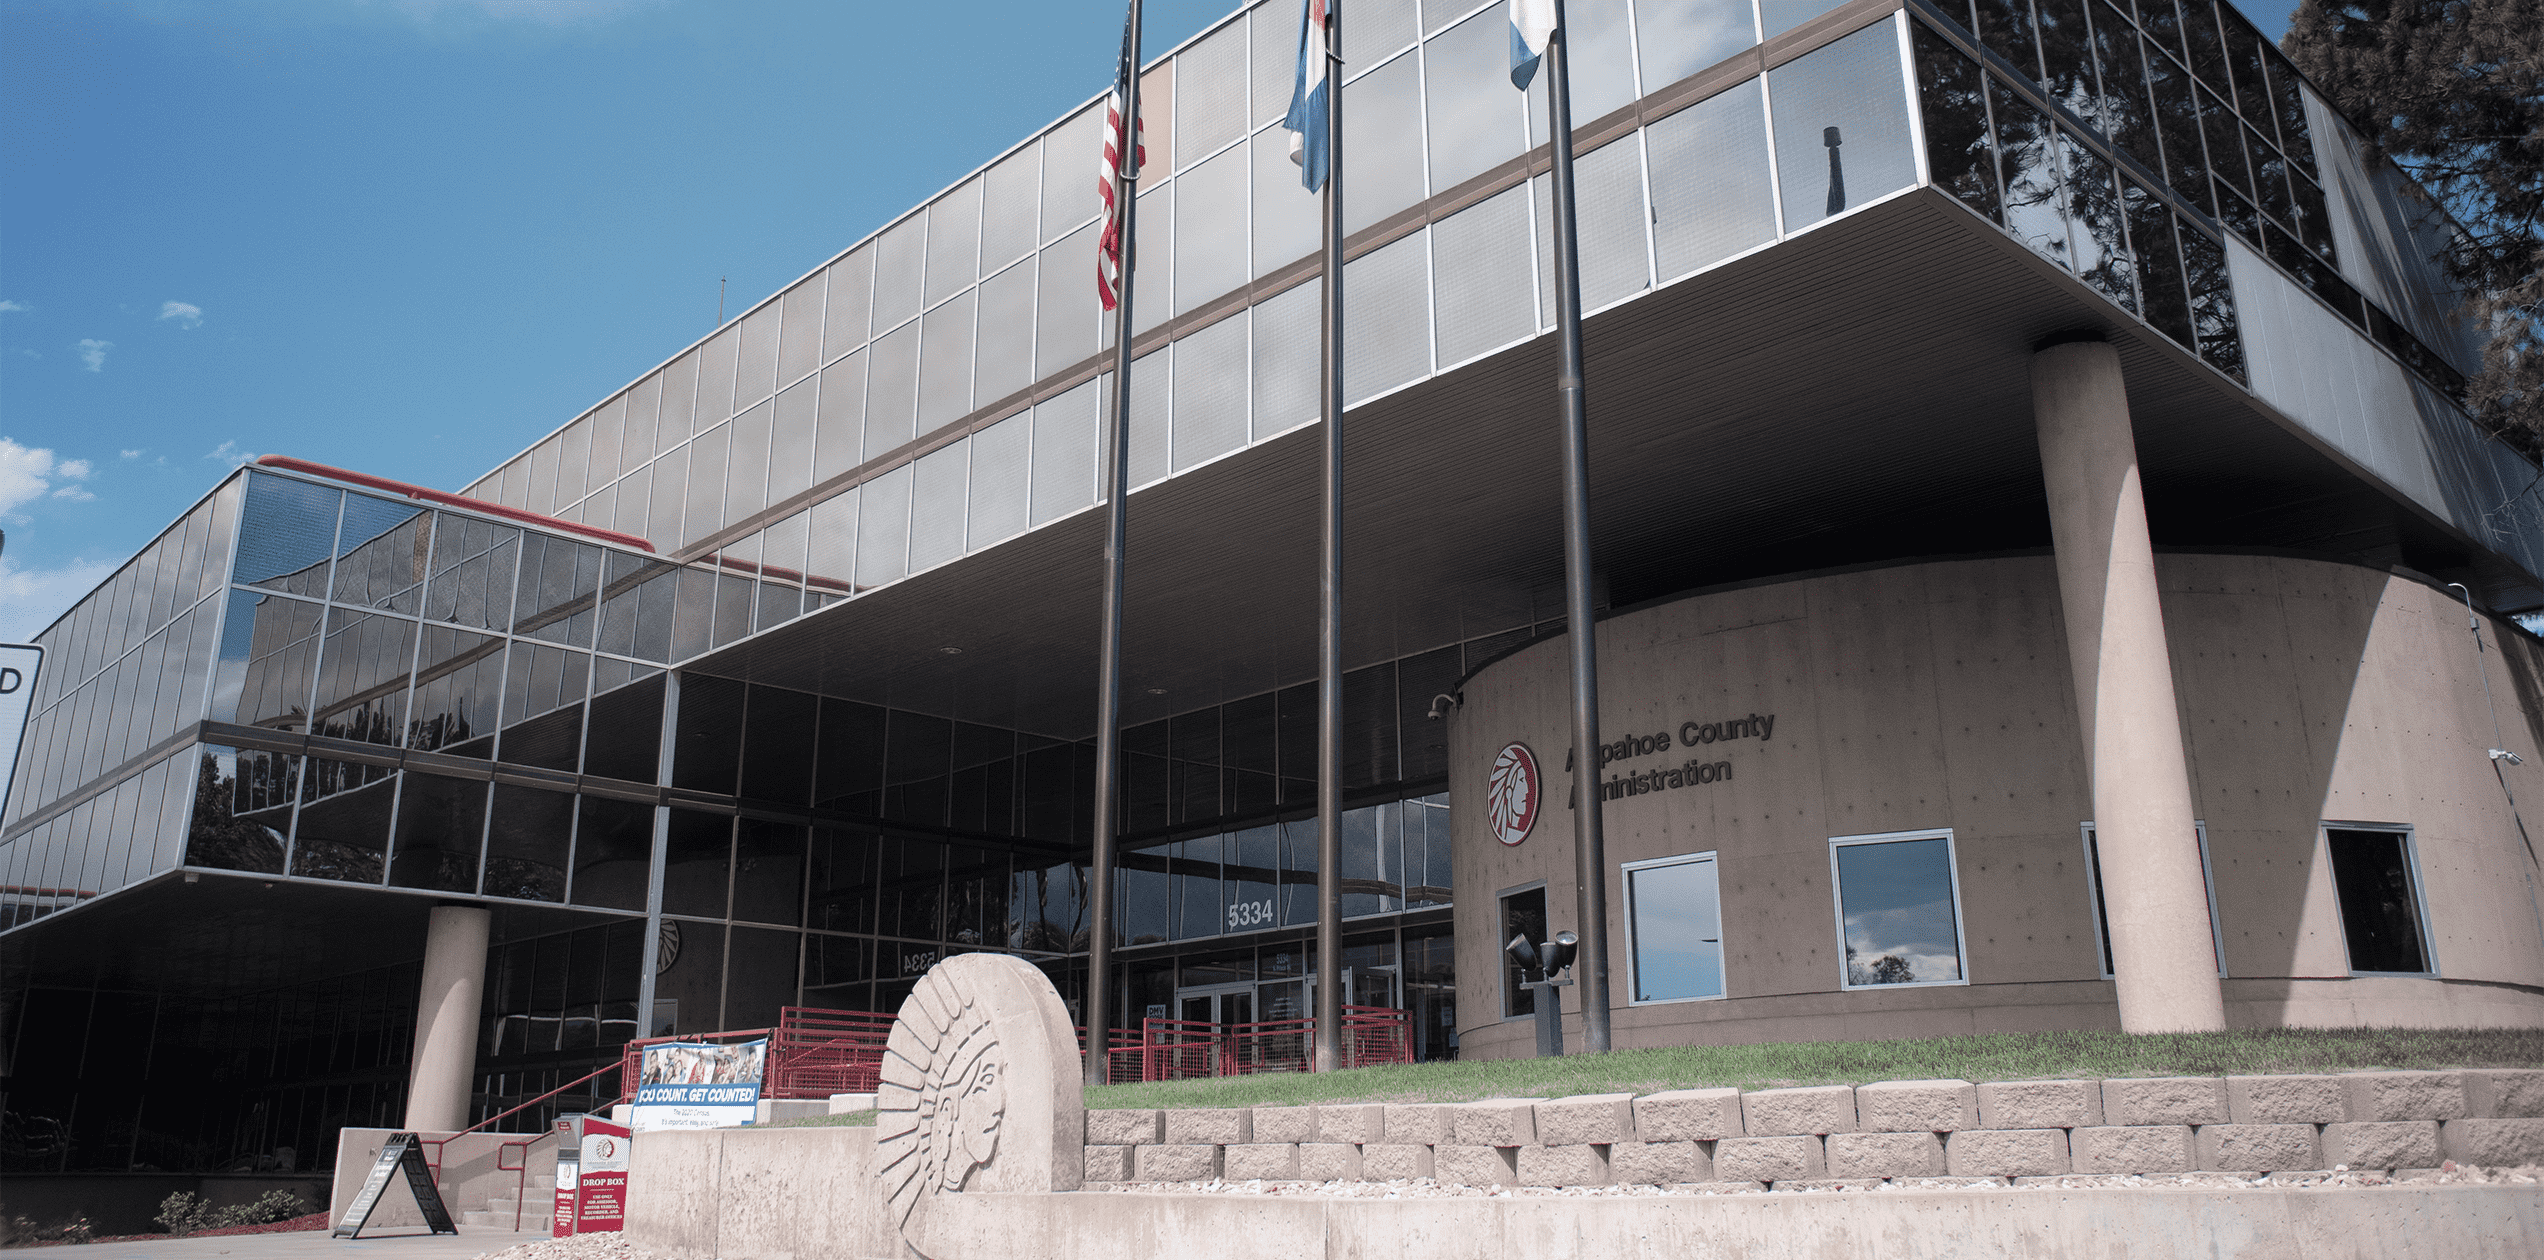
column 760, row 1194
column 1938, row 695
column 469, row 1174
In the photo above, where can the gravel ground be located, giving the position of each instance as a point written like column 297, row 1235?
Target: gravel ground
column 615, row 1247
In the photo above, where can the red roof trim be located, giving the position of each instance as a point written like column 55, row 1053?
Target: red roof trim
column 446, row 499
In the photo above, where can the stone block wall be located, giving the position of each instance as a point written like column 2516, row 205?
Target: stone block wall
column 1893, row 1130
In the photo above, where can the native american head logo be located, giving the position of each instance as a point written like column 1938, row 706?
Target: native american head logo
column 1511, row 794
column 945, row 1096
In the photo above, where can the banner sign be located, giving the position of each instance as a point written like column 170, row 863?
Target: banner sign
column 18, row 663
column 600, row 1186
column 697, row 1085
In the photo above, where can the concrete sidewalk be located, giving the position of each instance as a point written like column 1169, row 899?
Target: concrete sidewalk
column 400, row 1244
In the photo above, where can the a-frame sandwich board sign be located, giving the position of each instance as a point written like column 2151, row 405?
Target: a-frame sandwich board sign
column 402, row 1153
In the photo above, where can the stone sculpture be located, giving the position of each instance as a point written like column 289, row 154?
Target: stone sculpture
column 980, row 1091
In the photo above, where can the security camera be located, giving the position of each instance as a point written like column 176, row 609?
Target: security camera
column 2503, row 754
column 1442, row 703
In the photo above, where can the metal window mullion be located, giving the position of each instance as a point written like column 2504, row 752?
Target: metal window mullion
column 1775, row 179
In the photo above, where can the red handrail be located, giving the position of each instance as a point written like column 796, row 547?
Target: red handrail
column 447, row 499
column 521, row 1184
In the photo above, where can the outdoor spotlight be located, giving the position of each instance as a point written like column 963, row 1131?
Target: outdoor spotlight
column 1559, row 951
column 1523, row 951
column 2503, row 754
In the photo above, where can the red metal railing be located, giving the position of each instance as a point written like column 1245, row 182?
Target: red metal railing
column 521, row 1179
column 817, row 1053
column 1184, row 1049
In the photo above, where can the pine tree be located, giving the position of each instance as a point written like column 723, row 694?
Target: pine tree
column 2452, row 92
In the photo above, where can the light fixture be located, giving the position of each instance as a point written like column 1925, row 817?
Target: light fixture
column 1520, row 949
column 1157, row 691
column 2503, row 754
column 1560, row 950
column 951, row 651
column 1442, row 703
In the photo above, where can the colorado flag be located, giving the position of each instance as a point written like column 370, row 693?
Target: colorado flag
column 1532, row 24
column 1308, row 101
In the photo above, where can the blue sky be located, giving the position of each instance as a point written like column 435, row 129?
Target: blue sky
column 411, row 236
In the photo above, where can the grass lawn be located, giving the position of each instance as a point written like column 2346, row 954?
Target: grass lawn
column 1992, row 1057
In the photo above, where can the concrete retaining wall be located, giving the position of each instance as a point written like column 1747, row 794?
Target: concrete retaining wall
column 1889, row 1130
column 760, row 1194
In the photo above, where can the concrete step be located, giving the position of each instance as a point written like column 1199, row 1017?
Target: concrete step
column 485, row 1220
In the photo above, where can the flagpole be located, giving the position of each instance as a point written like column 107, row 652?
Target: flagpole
column 1588, row 833
column 1108, row 704
column 1329, row 632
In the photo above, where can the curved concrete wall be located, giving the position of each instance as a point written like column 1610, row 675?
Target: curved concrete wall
column 1937, row 695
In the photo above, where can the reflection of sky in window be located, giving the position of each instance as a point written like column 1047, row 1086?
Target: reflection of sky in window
column 1677, row 932
column 1896, row 897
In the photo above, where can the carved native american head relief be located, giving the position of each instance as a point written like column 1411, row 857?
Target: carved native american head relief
column 980, row 1089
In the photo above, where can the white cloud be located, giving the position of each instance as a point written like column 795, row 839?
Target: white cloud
column 228, row 453
column 28, row 473
column 31, row 598
column 7, row 305
column 187, row 314
column 93, row 353
column 135, row 454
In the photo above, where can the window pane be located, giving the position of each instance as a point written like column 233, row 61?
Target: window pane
column 755, row 365
column 1376, row 28
column 676, row 418
column 1387, row 339
column 1895, row 899
column 936, row 506
column 380, row 557
column 1286, row 223
column 289, row 532
column 1482, row 287
column 439, row 825
column 746, row 463
column 790, row 466
column 1951, row 96
column 1210, row 392
column 1210, row 90
column 1841, row 126
column 1003, row 363
column 715, row 381
column 1522, row 915
column 1779, row 16
column 2027, row 161
column 945, row 363
column 892, row 390
column 1710, row 192
column 1154, row 373
column 1066, row 317
column 1476, row 119
column 2380, row 914
column 1285, row 361
column 844, row 304
column 1602, row 65
column 1275, row 60
column 1608, row 189
column 1210, row 233
column 1069, row 199
column 839, row 442
column 1065, row 445
column 953, row 254
column 1677, row 926
column 900, row 264
column 1000, row 454
column 1382, row 140
column 883, row 528
column 613, row 853
column 1680, row 37
column 1011, row 205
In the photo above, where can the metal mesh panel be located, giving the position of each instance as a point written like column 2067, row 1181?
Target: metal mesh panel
column 791, row 443
column 1066, row 311
column 1481, row 282
column 1711, row 197
column 900, row 262
column 1153, row 274
column 1849, row 92
column 1779, row 16
column 1210, row 95
column 1072, row 153
column 953, row 242
column 883, row 528
column 1382, row 138
column 1387, row 338
column 1600, row 42
column 543, row 465
column 839, row 431
column 844, row 306
column 705, row 511
column 1439, row 13
column 892, row 388
column 662, row 519
column 1274, row 37
column 636, row 442
column 1608, row 191
column 1285, row 356
column 755, row 370
column 1210, row 392
column 1210, row 230
column 635, row 493
column 799, row 340
column 1374, row 28
column 831, row 549
column 1004, row 363
column 1152, row 385
column 1011, row 206
column 608, row 426
column 936, row 506
column 746, row 464
column 945, row 363
column 782, row 544
column 1477, row 121
column 574, row 452
column 1002, row 455
column 715, row 378
column 1064, row 447
column 675, row 420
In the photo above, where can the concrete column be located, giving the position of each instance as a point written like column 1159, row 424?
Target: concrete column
column 446, row 1016
column 2153, row 891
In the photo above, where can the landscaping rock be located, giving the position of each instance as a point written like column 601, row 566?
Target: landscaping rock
column 1285, row 1124
column 1586, row 1118
column 1424, row 1123
column 1689, row 1115
column 2494, row 1143
column 1176, row 1163
column 1264, row 1161
column 1814, row 1110
column 1497, row 1122
column 2257, row 1147
column 1219, row 1126
column 1569, row 1165
column 1915, row 1107
column 1353, row 1122
column 1885, row 1155
column 2136, row 1100
column 2504, row 1093
column 2406, row 1095
column 2143, row 1148
column 2382, row 1144
column 1769, row 1158
column 1108, row 1163
column 2285, row 1100
column 1395, row 1161
column 1329, row 1161
column 2006, row 1152
column 1463, row 1165
column 1129, row 1127
column 1660, row 1163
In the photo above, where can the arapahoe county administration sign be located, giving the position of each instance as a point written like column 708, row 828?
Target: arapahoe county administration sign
column 1514, row 788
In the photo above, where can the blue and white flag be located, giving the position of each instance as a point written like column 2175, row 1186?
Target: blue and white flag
column 1532, row 24
column 1309, row 100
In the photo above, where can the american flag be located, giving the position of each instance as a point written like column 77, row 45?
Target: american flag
column 1108, row 248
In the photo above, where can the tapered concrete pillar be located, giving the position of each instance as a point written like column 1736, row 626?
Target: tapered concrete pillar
column 446, row 1015
column 2153, row 892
